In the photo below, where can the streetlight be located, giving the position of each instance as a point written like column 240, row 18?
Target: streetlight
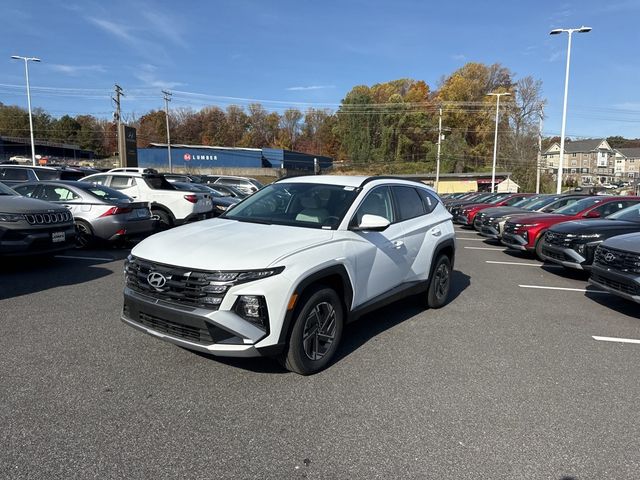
column 495, row 140
column 570, row 31
column 26, row 70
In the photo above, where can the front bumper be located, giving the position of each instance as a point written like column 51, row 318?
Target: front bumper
column 462, row 220
column 30, row 240
column 216, row 332
column 567, row 257
column 489, row 231
column 625, row 285
column 514, row 241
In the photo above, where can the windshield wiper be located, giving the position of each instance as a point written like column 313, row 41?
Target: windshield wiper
column 250, row 220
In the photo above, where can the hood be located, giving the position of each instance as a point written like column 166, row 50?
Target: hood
column 227, row 201
column 544, row 218
column 629, row 242
column 18, row 204
column 221, row 244
column 608, row 228
column 500, row 211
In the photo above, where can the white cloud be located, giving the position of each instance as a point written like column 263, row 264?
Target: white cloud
column 75, row 70
column 146, row 73
column 459, row 57
column 114, row 29
column 310, row 87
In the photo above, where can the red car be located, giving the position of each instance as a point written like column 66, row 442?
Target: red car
column 468, row 212
column 526, row 232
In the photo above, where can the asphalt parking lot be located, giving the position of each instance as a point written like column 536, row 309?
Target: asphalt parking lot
column 506, row 382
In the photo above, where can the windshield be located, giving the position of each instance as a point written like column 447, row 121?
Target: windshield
column 4, row 190
column 105, row 193
column 578, row 206
column 526, row 201
column 539, row 203
column 309, row 205
column 630, row 214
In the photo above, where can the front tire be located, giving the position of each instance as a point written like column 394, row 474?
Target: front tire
column 316, row 332
column 440, row 283
column 538, row 248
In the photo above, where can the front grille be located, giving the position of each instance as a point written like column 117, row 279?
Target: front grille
column 183, row 287
column 174, row 329
column 510, row 228
column 629, row 289
column 554, row 238
column 48, row 218
column 618, row 259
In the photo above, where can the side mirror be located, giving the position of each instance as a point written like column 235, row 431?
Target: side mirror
column 592, row 214
column 548, row 210
column 373, row 223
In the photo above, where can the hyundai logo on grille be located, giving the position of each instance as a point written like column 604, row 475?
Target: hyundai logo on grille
column 609, row 257
column 156, row 280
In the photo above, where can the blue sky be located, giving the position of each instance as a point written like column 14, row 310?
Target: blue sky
column 307, row 53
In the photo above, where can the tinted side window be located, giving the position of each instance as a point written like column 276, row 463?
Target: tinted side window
column 56, row 193
column 15, row 174
column 46, row 174
column 99, row 179
column 409, row 203
column 612, row 207
column 119, row 183
column 430, row 202
column 378, row 202
column 25, row 190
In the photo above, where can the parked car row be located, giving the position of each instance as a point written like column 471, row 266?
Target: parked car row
column 115, row 206
column 596, row 234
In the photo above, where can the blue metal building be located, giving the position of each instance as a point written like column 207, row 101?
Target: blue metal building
column 204, row 157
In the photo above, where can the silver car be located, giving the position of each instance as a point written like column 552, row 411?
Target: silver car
column 100, row 213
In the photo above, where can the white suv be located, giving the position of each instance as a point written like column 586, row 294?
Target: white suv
column 169, row 204
column 281, row 272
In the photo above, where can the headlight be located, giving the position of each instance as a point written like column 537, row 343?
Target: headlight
column 526, row 225
column 11, row 217
column 222, row 208
column 253, row 308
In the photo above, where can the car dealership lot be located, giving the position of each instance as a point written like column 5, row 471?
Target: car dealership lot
column 506, row 381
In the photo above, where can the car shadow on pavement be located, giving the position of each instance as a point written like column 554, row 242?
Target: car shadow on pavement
column 357, row 333
column 372, row 324
column 24, row 275
column 619, row 304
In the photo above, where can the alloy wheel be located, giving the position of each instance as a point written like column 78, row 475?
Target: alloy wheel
column 319, row 331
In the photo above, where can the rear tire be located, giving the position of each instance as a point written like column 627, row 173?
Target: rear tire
column 84, row 234
column 316, row 332
column 165, row 221
column 440, row 283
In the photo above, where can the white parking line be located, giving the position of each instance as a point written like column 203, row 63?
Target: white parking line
column 613, row 339
column 518, row 263
column 542, row 287
column 470, row 239
column 486, row 248
column 85, row 258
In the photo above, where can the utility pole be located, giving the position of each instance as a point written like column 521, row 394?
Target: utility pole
column 118, row 118
column 539, row 149
column 495, row 140
column 167, row 99
column 439, row 141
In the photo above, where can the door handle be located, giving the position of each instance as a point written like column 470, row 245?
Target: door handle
column 436, row 232
column 398, row 244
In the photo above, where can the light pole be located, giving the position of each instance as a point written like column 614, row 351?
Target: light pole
column 495, row 139
column 570, row 31
column 26, row 70
column 167, row 99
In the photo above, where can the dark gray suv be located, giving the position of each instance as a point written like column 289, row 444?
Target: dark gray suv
column 30, row 226
column 616, row 266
